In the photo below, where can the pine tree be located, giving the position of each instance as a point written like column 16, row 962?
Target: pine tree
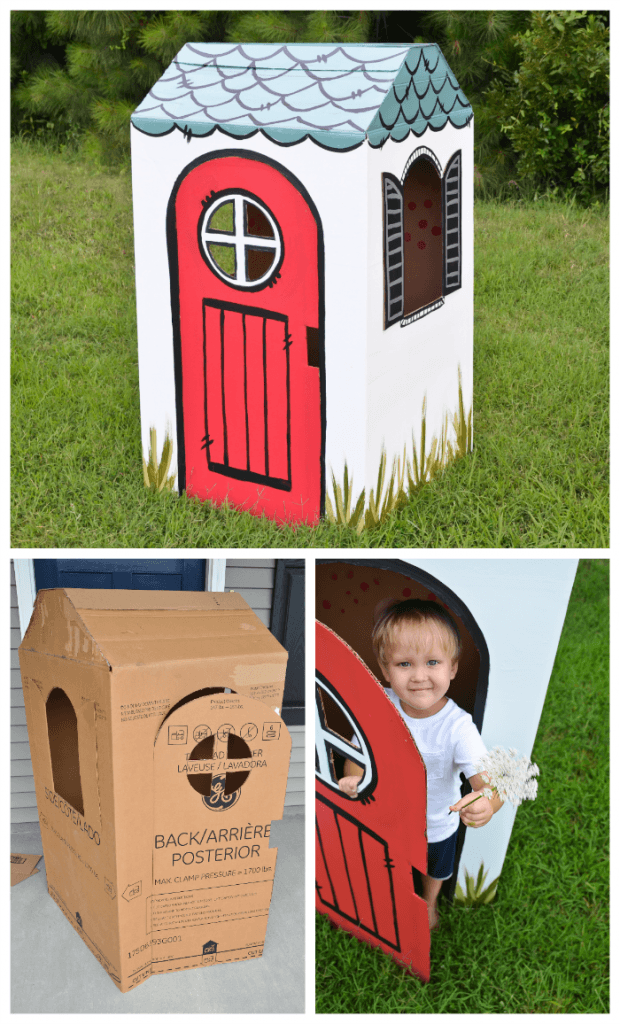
column 300, row 26
column 111, row 60
column 107, row 60
column 475, row 44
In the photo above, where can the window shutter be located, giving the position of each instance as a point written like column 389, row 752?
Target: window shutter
column 452, row 224
column 393, row 255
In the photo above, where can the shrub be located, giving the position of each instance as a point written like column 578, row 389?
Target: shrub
column 555, row 108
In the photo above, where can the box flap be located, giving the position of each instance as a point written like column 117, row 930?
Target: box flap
column 156, row 652
column 160, row 624
column 133, row 627
column 131, row 600
column 56, row 629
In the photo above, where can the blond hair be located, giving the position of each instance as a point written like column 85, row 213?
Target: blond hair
column 417, row 613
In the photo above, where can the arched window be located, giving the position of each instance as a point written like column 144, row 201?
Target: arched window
column 62, row 733
column 422, row 236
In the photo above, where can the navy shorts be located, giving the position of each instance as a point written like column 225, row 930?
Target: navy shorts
column 441, row 858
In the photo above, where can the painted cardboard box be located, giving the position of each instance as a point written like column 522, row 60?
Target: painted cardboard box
column 160, row 760
column 304, row 265
column 509, row 614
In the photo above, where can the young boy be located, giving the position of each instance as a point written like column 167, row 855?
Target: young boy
column 417, row 646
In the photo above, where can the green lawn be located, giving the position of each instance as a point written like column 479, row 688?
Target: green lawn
column 543, row 945
column 538, row 474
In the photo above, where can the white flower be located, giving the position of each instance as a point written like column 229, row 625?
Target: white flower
column 510, row 776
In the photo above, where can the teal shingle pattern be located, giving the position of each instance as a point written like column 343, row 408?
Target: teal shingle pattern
column 339, row 96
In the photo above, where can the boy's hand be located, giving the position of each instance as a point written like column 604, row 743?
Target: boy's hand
column 476, row 816
column 348, row 784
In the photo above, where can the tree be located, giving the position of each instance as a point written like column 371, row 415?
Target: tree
column 554, row 109
column 111, row 58
column 475, row 43
column 105, row 61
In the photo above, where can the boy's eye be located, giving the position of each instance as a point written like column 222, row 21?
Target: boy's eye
column 404, row 664
column 433, row 661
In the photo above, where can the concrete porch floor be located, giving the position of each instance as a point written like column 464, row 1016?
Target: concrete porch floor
column 53, row 971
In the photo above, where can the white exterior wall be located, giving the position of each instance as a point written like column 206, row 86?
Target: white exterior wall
column 407, row 363
column 337, row 184
column 340, row 192
column 375, row 380
column 520, row 605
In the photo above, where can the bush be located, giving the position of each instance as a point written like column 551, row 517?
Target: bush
column 555, row 108
column 106, row 62
column 78, row 75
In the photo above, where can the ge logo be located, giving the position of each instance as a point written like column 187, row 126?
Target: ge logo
column 249, row 731
column 224, row 732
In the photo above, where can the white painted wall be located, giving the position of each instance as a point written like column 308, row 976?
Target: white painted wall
column 519, row 604
column 375, row 379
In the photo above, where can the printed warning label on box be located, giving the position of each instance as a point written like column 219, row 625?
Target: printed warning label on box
column 223, row 905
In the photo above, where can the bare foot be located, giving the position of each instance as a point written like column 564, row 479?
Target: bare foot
column 433, row 916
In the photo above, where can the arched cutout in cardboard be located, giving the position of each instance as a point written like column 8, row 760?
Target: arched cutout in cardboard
column 205, row 692
column 204, row 750
column 221, row 836
column 62, row 731
column 422, row 223
column 347, row 593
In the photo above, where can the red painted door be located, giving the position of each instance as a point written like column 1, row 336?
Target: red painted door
column 248, row 247
column 366, row 846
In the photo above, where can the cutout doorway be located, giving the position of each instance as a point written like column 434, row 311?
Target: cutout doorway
column 347, row 593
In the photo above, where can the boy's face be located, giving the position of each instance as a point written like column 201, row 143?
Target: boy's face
column 420, row 669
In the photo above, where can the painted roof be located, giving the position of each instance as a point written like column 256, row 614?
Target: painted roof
column 338, row 95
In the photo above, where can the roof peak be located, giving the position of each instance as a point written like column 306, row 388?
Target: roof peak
column 337, row 94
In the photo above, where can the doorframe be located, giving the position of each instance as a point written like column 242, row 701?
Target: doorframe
column 26, row 590
column 290, row 571
column 460, row 608
column 173, row 264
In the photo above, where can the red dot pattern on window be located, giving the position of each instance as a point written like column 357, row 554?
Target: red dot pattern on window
column 417, row 231
column 364, row 584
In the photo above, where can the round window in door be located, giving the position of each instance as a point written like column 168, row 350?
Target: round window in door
column 240, row 240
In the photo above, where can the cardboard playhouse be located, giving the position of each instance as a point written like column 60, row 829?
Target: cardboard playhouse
column 371, row 849
column 304, row 266
column 160, row 760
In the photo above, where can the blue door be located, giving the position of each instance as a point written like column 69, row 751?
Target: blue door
column 121, row 573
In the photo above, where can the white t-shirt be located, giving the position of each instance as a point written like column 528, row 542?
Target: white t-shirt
column 449, row 743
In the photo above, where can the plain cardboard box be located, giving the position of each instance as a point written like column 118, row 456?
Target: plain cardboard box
column 156, row 788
